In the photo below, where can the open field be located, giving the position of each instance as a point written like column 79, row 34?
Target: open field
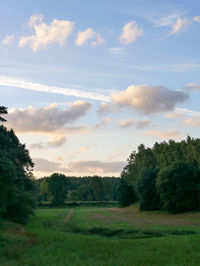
column 102, row 236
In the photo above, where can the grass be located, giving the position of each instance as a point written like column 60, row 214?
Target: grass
column 101, row 238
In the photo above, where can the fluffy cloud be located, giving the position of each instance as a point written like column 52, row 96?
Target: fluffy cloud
column 126, row 123
column 57, row 141
column 164, row 134
column 106, row 107
column 148, row 99
column 194, row 121
column 38, row 146
column 103, row 122
column 92, row 167
column 56, row 32
column 179, row 25
column 142, row 124
column 196, row 19
column 43, row 165
column 192, row 86
column 48, row 119
column 130, row 33
column 89, row 34
column 8, row 39
column 81, row 167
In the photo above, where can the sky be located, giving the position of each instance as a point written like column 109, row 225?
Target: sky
column 86, row 82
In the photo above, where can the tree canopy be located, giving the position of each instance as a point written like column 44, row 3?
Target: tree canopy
column 166, row 176
column 17, row 188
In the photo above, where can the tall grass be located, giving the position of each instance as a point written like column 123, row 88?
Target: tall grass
column 44, row 242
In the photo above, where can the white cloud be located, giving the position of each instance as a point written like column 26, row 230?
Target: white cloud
column 54, row 142
column 148, row 99
column 192, row 86
column 35, row 20
column 196, row 19
column 164, row 134
column 89, row 34
column 130, row 33
column 179, row 25
column 115, row 50
column 56, row 32
column 20, row 83
column 126, row 123
column 166, row 21
column 8, row 39
column 48, row 119
column 187, row 112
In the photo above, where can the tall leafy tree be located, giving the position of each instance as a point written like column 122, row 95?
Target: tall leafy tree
column 178, row 187
column 17, row 188
column 57, row 188
column 148, row 197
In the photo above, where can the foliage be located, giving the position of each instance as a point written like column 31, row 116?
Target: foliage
column 17, row 189
column 178, row 187
column 142, row 170
column 57, row 188
column 3, row 111
column 126, row 193
column 89, row 188
column 146, row 191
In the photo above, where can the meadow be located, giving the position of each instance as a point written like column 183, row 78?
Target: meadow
column 102, row 236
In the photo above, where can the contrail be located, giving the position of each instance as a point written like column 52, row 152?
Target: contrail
column 20, row 83
column 188, row 112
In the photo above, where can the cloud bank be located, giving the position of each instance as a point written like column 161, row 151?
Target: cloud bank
column 48, row 119
column 82, row 167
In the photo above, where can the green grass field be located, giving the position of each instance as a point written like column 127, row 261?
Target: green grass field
column 102, row 236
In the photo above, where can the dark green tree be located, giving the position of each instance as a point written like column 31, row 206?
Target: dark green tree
column 146, row 190
column 3, row 111
column 177, row 185
column 57, row 188
column 126, row 193
column 97, row 187
column 17, row 188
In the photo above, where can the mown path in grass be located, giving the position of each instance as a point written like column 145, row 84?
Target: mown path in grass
column 45, row 241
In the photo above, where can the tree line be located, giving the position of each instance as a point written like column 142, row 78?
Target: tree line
column 59, row 188
column 164, row 177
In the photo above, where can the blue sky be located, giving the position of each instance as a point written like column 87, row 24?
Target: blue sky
column 86, row 82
